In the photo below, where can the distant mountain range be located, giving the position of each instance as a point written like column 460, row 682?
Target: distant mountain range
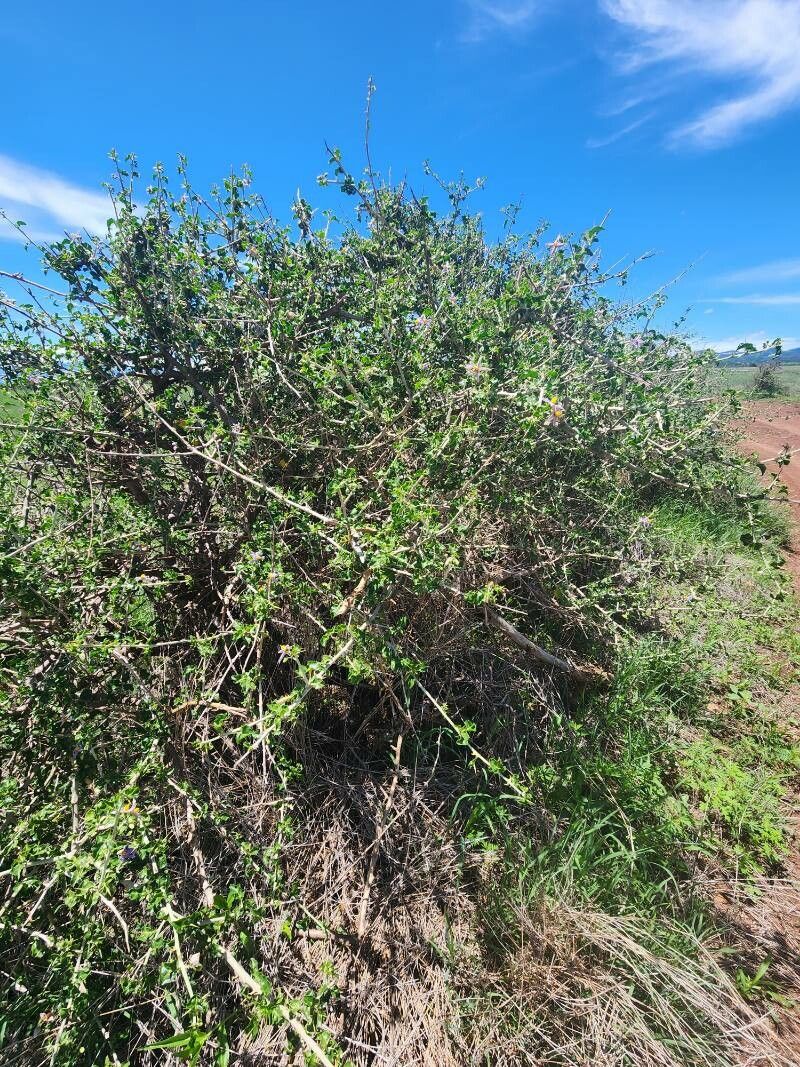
column 753, row 359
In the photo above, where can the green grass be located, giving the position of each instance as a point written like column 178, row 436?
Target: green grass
column 739, row 630
column 10, row 405
column 682, row 766
column 741, row 379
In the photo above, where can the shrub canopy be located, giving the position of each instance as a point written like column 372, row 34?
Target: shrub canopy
column 278, row 501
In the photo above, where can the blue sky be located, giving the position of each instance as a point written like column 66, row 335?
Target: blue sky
column 681, row 117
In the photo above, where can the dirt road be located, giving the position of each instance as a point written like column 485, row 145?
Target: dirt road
column 772, row 920
column 767, row 428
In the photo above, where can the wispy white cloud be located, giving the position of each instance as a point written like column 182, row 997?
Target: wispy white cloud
column 646, row 94
column 603, row 142
column 48, row 202
column 779, row 270
column 490, row 16
column 762, row 300
column 755, row 40
column 756, row 337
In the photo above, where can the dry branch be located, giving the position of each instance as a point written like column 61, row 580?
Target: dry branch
column 583, row 675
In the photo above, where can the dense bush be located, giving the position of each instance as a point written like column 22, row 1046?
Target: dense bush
column 767, row 378
column 311, row 537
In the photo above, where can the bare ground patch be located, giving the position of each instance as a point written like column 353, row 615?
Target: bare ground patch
column 767, row 915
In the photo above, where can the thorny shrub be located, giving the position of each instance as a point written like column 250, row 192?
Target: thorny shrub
column 310, row 533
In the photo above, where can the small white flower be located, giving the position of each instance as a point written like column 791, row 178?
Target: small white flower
column 557, row 412
column 475, row 369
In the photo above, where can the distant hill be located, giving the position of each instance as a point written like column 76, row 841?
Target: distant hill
column 753, row 359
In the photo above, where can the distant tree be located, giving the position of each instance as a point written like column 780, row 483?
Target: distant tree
column 767, row 378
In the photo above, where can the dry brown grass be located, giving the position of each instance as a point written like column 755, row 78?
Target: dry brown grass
column 429, row 971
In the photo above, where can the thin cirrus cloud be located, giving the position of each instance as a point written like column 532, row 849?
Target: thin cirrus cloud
column 768, row 274
column 486, row 17
column 757, row 338
column 761, row 299
column 47, row 202
column 756, row 42
column 603, row 142
column 779, row 270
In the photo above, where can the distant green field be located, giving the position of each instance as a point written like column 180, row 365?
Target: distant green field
column 11, row 406
column 742, row 378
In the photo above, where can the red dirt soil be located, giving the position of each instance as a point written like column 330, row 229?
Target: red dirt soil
column 766, row 428
column 772, row 921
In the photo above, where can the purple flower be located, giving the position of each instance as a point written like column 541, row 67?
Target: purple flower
column 128, row 854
